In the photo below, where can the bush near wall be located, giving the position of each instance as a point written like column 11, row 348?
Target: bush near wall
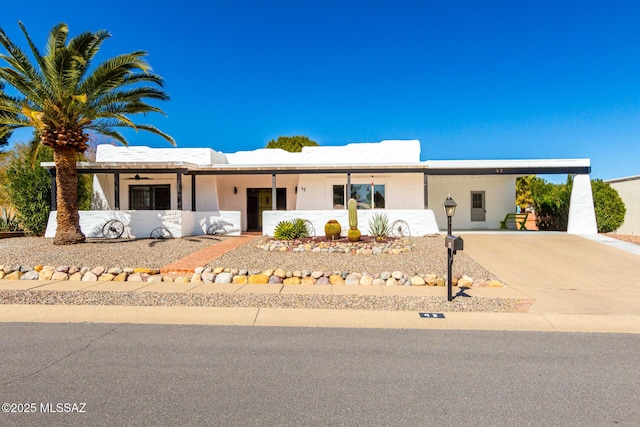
column 28, row 187
column 610, row 209
column 551, row 203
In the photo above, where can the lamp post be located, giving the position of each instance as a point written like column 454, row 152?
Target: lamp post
column 449, row 210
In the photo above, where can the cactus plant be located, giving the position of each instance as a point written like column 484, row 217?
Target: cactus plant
column 353, row 213
column 332, row 230
column 354, row 233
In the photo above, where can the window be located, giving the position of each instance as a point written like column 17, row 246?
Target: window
column 362, row 194
column 149, row 197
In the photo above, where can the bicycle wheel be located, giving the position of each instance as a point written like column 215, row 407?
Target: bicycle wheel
column 160, row 233
column 112, row 229
column 310, row 228
column 400, row 228
column 216, row 229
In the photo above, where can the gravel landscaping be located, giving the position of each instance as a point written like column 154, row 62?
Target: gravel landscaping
column 426, row 255
column 341, row 302
column 150, row 253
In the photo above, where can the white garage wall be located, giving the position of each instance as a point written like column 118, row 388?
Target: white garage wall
column 629, row 191
column 500, row 195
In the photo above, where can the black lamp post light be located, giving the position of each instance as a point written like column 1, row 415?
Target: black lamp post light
column 453, row 243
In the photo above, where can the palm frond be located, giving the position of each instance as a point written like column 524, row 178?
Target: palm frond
column 107, row 131
column 34, row 50
column 112, row 73
column 57, row 38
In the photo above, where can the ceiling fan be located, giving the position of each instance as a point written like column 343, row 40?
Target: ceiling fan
column 137, row 177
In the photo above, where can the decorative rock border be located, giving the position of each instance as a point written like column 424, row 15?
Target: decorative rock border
column 226, row 275
column 366, row 246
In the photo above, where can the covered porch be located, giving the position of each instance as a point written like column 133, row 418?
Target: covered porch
column 188, row 199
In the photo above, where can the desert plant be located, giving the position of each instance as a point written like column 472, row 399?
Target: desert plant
column 379, row 226
column 332, row 230
column 290, row 230
column 8, row 219
column 300, row 229
column 354, row 233
column 283, row 231
column 609, row 207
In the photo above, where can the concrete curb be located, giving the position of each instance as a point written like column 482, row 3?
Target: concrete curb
column 320, row 318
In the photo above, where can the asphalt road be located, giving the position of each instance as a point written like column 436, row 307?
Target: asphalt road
column 204, row 375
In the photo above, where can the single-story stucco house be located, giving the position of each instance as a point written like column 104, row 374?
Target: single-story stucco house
column 187, row 190
column 629, row 190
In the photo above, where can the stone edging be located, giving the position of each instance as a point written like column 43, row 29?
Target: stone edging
column 235, row 276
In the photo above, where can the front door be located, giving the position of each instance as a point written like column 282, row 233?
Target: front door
column 478, row 209
column 258, row 201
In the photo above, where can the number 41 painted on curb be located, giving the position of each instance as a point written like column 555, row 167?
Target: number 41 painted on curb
column 432, row 315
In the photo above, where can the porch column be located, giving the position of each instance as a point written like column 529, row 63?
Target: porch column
column 348, row 195
column 179, row 188
column 274, row 193
column 116, row 191
column 193, row 193
column 54, row 190
column 426, row 191
column 582, row 215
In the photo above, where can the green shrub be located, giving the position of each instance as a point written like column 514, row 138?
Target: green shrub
column 551, row 203
column 28, row 187
column 610, row 209
column 379, row 226
column 290, row 230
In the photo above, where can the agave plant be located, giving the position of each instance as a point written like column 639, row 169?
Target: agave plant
column 379, row 226
column 300, row 228
column 290, row 230
column 8, row 219
column 283, row 231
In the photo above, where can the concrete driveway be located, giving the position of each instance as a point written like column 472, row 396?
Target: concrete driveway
column 563, row 273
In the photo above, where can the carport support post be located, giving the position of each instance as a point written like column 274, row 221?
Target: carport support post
column 348, row 195
column 179, row 185
column 116, row 191
column 274, row 193
column 193, row 193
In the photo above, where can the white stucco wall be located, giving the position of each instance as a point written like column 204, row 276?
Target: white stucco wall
column 230, row 201
column 500, row 194
column 383, row 153
column 106, row 153
column 402, row 191
column 421, row 222
column 139, row 224
column 629, row 191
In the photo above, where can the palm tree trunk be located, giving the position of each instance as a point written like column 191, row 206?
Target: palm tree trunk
column 68, row 231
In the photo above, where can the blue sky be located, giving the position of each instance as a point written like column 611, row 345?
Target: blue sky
column 469, row 79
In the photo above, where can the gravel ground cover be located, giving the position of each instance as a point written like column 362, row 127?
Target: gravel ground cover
column 429, row 256
column 626, row 237
column 342, row 302
column 150, row 253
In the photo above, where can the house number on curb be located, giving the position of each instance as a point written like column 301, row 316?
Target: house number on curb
column 432, row 315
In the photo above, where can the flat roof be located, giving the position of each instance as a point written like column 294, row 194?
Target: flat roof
column 431, row 167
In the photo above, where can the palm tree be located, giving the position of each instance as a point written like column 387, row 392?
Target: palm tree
column 64, row 99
